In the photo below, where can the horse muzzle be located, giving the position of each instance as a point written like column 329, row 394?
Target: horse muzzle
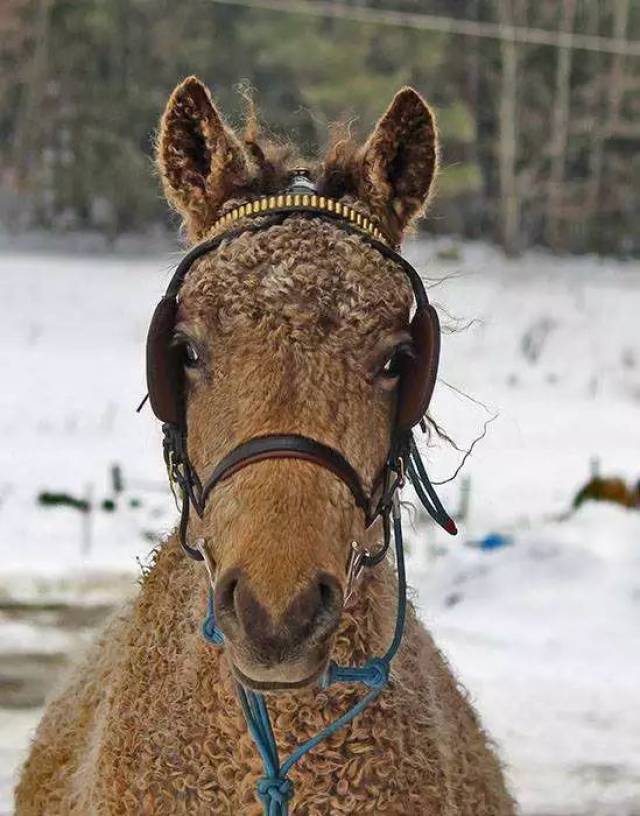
column 288, row 649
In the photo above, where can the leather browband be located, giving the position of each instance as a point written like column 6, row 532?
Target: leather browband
column 277, row 217
column 304, row 201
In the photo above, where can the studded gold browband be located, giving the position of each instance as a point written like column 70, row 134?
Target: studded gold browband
column 302, row 202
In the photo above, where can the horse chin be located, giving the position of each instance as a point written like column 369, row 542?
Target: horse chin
column 279, row 679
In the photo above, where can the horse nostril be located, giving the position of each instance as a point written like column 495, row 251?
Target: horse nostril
column 330, row 595
column 311, row 616
column 319, row 607
column 226, row 591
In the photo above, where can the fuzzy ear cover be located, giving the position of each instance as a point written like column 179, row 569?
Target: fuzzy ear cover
column 202, row 163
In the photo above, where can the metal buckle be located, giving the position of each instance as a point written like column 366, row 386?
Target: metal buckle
column 395, row 481
column 301, row 181
column 174, row 481
column 355, row 566
column 395, row 506
column 402, row 475
column 201, row 546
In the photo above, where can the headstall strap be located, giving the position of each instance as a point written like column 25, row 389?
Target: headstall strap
column 404, row 462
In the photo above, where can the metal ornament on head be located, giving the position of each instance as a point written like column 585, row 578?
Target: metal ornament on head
column 301, row 181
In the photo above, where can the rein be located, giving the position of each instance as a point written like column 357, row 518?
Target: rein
column 417, row 378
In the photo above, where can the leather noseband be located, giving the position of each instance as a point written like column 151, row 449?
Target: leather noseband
column 268, row 447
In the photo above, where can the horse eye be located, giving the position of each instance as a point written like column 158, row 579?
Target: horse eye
column 191, row 356
column 391, row 369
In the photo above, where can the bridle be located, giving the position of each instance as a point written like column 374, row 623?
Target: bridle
column 166, row 391
column 165, row 378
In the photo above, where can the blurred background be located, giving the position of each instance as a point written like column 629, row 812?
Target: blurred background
column 530, row 249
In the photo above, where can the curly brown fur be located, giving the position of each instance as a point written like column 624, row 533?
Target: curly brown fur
column 292, row 325
column 149, row 723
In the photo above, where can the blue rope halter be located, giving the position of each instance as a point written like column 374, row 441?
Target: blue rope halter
column 275, row 789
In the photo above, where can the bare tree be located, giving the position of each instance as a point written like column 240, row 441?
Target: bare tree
column 610, row 93
column 507, row 147
column 560, row 128
column 29, row 120
column 14, row 36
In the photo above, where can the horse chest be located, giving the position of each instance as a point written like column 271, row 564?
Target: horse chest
column 177, row 750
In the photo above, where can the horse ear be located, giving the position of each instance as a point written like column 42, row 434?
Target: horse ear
column 399, row 161
column 201, row 161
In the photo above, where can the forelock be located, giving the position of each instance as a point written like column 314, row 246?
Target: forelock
column 307, row 280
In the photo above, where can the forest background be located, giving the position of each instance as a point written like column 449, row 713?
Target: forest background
column 537, row 104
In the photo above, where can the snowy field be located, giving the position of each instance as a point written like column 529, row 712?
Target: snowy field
column 544, row 632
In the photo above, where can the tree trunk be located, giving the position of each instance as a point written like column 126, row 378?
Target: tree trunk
column 26, row 129
column 509, row 199
column 604, row 119
column 560, row 130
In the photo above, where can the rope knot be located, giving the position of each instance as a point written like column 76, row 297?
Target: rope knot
column 211, row 632
column 330, row 676
column 376, row 674
column 275, row 789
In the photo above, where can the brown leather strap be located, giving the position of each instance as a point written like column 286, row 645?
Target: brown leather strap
column 289, row 446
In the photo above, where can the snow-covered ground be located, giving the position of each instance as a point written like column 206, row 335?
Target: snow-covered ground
column 545, row 632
